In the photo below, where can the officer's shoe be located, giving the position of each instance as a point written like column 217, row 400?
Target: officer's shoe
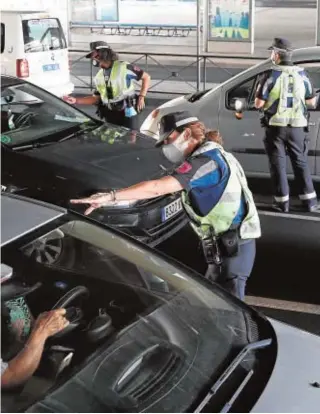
column 281, row 207
column 311, row 208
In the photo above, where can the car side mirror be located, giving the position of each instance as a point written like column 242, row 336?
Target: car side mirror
column 239, row 106
column 8, row 98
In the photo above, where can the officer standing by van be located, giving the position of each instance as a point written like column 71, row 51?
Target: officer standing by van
column 215, row 196
column 283, row 95
column 115, row 94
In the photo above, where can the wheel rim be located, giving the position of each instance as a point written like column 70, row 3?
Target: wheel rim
column 47, row 249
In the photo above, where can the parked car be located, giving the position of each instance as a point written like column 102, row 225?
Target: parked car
column 216, row 108
column 146, row 333
column 54, row 152
column 34, row 47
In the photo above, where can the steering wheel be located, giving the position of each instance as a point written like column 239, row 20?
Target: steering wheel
column 23, row 119
column 74, row 315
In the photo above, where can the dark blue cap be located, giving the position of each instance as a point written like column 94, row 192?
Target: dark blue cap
column 281, row 45
column 100, row 44
column 173, row 121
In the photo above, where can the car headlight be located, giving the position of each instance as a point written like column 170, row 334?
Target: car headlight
column 121, row 203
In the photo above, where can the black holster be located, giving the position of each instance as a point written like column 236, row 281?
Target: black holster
column 100, row 110
column 264, row 120
column 215, row 248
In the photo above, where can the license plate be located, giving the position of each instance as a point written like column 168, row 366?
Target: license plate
column 52, row 66
column 171, row 209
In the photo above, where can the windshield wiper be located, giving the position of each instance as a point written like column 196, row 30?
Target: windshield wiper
column 81, row 131
column 33, row 146
column 230, row 369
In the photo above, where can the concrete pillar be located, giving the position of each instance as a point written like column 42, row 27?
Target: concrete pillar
column 318, row 24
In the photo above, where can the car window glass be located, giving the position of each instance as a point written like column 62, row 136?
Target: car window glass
column 42, row 35
column 29, row 113
column 242, row 91
column 186, row 328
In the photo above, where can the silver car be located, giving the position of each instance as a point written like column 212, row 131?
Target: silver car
column 216, row 108
column 146, row 333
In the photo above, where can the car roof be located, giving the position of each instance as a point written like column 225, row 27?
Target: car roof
column 23, row 11
column 305, row 54
column 21, row 215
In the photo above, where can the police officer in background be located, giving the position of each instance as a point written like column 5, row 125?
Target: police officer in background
column 215, row 196
column 115, row 93
column 283, row 95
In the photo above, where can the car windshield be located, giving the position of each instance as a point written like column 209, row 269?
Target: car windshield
column 28, row 113
column 42, row 35
column 170, row 334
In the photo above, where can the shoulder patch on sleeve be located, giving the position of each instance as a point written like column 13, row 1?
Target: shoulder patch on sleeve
column 184, row 168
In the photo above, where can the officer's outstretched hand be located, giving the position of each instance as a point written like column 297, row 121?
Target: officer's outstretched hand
column 141, row 103
column 70, row 99
column 96, row 201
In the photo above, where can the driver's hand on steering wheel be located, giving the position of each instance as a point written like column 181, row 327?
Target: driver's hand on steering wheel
column 51, row 322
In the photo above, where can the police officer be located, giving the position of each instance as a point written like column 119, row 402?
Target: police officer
column 215, row 196
column 283, row 95
column 115, row 93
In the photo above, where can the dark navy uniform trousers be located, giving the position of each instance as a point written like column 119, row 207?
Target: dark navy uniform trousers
column 292, row 140
column 235, row 270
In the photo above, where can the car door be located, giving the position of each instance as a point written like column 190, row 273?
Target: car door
column 313, row 69
column 244, row 137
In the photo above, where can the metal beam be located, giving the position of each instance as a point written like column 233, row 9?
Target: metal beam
column 318, row 24
column 198, row 44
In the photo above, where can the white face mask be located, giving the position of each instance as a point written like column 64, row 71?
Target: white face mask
column 175, row 152
column 273, row 58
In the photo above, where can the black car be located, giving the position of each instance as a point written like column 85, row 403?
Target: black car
column 53, row 152
column 146, row 333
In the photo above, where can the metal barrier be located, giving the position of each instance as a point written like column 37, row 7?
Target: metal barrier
column 117, row 29
column 200, row 83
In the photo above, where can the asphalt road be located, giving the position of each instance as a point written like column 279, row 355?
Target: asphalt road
column 214, row 74
column 285, row 282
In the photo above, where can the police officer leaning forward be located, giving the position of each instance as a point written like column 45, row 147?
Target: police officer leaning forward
column 115, row 93
column 283, row 95
column 215, row 196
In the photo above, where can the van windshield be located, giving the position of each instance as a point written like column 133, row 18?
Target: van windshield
column 42, row 35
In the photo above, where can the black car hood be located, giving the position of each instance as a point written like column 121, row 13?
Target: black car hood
column 110, row 154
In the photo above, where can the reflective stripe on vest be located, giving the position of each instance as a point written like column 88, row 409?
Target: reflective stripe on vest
column 221, row 217
column 289, row 84
column 117, row 82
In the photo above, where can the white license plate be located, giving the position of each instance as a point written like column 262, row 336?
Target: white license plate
column 171, row 209
column 51, row 67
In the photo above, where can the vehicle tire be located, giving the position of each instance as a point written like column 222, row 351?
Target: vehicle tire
column 54, row 249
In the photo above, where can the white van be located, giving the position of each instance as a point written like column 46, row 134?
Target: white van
column 33, row 47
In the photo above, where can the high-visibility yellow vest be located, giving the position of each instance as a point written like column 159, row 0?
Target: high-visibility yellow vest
column 221, row 217
column 289, row 84
column 117, row 82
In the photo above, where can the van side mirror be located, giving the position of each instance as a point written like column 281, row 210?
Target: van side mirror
column 239, row 106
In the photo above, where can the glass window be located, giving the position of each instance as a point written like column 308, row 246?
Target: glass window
column 43, row 35
column 243, row 91
column 169, row 325
column 28, row 113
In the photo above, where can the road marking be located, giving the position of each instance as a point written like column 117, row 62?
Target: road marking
column 283, row 305
column 303, row 216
